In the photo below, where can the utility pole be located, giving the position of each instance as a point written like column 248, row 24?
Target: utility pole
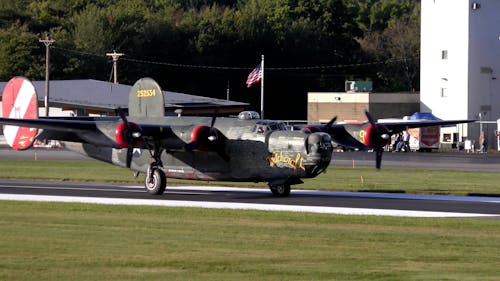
column 115, row 57
column 47, row 42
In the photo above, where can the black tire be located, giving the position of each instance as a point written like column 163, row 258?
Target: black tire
column 282, row 190
column 157, row 183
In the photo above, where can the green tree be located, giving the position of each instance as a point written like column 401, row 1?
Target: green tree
column 399, row 45
column 376, row 15
column 176, row 41
column 18, row 50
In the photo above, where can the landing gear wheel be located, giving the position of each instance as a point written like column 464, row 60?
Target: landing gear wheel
column 155, row 181
column 282, row 190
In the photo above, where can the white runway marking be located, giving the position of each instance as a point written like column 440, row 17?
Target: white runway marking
column 242, row 206
column 346, row 194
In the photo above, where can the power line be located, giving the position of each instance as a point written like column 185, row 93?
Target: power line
column 296, row 68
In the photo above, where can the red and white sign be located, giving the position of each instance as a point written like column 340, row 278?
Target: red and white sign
column 425, row 137
column 19, row 100
column 429, row 135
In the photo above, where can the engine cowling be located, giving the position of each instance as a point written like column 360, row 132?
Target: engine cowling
column 311, row 129
column 203, row 137
column 376, row 136
column 127, row 135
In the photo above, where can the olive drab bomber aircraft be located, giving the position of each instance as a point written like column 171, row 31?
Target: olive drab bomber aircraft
column 239, row 149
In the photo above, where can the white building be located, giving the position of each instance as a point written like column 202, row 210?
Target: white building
column 460, row 63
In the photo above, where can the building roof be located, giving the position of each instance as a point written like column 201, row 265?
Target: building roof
column 106, row 96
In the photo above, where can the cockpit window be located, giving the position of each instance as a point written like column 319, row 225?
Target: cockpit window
column 264, row 126
column 261, row 129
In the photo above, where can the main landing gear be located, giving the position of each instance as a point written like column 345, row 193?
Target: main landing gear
column 280, row 190
column 155, row 180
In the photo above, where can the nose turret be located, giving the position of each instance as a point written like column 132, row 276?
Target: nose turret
column 319, row 153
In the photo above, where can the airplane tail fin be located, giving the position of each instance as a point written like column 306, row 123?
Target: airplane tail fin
column 146, row 99
column 19, row 100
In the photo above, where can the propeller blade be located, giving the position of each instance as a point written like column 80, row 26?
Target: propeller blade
column 378, row 158
column 370, row 119
column 331, row 121
column 121, row 113
column 130, row 150
column 130, row 136
column 213, row 121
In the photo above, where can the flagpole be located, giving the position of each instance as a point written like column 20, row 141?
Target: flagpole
column 262, row 89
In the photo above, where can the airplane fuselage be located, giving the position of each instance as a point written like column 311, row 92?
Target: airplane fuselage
column 246, row 148
column 256, row 150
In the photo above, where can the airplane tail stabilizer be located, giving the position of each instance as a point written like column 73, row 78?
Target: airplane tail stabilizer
column 146, row 99
column 19, row 100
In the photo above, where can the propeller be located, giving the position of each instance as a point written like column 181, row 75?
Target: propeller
column 377, row 139
column 323, row 128
column 330, row 123
column 207, row 138
column 127, row 135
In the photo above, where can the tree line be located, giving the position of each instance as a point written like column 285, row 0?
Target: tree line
column 208, row 47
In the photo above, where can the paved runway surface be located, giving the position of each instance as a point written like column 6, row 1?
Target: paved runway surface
column 325, row 202
column 421, row 160
column 219, row 197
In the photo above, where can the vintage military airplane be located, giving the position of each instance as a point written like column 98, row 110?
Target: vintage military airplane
column 242, row 149
column 371, row 135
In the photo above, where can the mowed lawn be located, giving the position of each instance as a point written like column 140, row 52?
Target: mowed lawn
column 61, row 241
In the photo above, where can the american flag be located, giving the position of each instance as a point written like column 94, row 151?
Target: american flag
column 254, row 76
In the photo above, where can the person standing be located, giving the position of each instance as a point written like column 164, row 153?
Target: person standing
column 406, row 141
column 400, row 142
column 484, row 143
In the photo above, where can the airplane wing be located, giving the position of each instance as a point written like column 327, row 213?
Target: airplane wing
column 21, row 124
column 348, row 135
column 372, row 135
column 93, row 130
column 341, row 136
column 396, row 126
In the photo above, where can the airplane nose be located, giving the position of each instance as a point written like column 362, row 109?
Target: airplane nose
column 319, row 143
column 319, row 153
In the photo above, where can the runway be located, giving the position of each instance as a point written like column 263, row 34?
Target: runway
column 348, row 203
column 357, row 203
column 486, row 162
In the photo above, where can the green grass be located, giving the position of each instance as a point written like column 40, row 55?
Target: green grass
column 336, row 178
column 59, row 241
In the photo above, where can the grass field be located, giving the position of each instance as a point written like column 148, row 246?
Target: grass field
column 46, row 241
column 61, row 241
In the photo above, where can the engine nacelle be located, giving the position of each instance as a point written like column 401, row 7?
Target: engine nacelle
column 311, row 129
column 124, row 136
column 204, row 138
column 376, row 137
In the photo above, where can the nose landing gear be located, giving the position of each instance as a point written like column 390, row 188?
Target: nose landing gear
column 280, row 190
